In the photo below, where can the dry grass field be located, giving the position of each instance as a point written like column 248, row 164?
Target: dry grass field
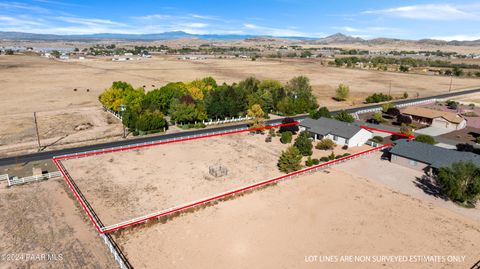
column 41, row 218
column 31, row 83
column 332, row 214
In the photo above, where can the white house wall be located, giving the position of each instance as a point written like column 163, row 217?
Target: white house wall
column 360, row 138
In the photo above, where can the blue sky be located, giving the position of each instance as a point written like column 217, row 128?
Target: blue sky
column 450, row 20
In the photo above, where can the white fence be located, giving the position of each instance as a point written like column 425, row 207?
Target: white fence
column 121, row 260
column 17, row 181
column 379, row 108
column 4, row 177
column 115, row 114
column 227, row 120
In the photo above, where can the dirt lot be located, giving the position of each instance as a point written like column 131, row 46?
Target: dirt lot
column 31, row 83
column 333, row 214
column 133, row 183
column 40, row 218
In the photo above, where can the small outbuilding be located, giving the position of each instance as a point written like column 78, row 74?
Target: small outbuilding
column 342, row 133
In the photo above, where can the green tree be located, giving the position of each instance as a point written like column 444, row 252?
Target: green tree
column 300, row 91
column 425, row 139
column 304, row 143
column 377, row 116
column 460, row 182
column 342, row 92
column 186, row 113
column 290, row 160
column 457, row 71
column 286, row 137
column 55, row 53
column 322, row 112
column 387, row 106
column 344, row 116
column 150, row 121
column 9, row 52
column 325, row 144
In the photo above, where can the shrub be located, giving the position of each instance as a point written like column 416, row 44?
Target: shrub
column 315, row 161
column 304, row 143
column 271, row 132
column 477, row 140
column 331, row 156
column 393, row 111
column 325, row 144
column 405, row 129
column 345, row 147
column 377, row 139
column 460, row 182
column 387, row 106
column 377, row 98
column 404, row 119
column 309, row 162
column 290, row 160
column 322, row 112
column 344, row 116
column 268, row 139
column 346, row 154
column 342, row 92
column 405, row 95
column 286, row 137
column 324, row 159
column 378, row 117
column 425, row 139
column 452, row 104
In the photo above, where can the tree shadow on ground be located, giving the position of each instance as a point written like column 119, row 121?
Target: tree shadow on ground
column 426, row 184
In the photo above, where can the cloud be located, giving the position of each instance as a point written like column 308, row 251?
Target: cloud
column 22, row 6
column 195, row 25
column 89, row 21
column 426, row 12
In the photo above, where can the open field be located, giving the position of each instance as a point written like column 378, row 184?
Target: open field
column 49, row 90
column 332, row 214
column 133, row 183
column 41, row 218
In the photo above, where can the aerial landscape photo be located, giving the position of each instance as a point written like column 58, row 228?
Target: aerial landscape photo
column 239, row 134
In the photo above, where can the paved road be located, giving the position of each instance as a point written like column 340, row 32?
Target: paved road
column 45, row 155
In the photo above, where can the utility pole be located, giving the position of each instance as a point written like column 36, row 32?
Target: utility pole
column 451, row 80
column 390, row 89
column 36, row 129
column 122, row 109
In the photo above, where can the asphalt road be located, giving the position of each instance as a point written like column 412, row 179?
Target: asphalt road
column 45, row 155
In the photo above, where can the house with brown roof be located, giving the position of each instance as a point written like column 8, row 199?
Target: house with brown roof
column 436, row 118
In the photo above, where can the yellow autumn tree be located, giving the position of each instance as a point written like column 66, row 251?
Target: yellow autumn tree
column 195, row 92
column 256, row 113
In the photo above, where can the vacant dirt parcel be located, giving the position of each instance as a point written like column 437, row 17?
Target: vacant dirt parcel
column 41, row 219
column 321, row 214
column 128, row 184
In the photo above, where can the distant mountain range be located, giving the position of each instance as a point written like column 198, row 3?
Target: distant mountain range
column 337, row 38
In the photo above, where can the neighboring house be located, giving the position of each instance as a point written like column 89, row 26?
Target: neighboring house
column 341, row 133
column 421, row 156
column 436, row 118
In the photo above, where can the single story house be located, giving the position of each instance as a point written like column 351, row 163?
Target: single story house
column 421, row 156
column 436, row 118
column 341, row 133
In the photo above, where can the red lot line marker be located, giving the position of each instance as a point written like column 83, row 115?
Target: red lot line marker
column 102, row 231
column 244, row 189
column 78, row 196
column 388, row 132
column 171, row 141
